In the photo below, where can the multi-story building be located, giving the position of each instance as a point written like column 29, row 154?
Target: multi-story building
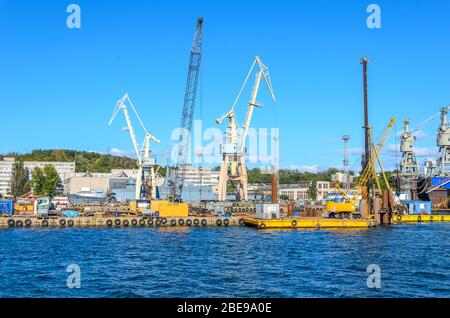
column 61, row 167
column 201, row 176
column 6, row 168
column 300, row 191
column 120, row 181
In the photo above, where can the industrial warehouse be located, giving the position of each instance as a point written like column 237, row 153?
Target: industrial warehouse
column 187, row 195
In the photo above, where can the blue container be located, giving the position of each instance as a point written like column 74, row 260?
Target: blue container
column 6, row 207
column 71, row 214
column 435, row 181
column 296, row 213
column 416, row 206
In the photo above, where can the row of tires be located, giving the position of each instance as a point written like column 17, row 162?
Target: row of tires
column 44, row 223
column 163, row 221
column 125, row 223
column 240, row 210
column 419, row 218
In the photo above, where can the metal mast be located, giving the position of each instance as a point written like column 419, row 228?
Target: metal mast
column 346, row 138
column 176, row 186
column 366, row 126
column 367, row 138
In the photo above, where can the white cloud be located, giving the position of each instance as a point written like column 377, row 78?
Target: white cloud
column 304, row 168
column 122, row 153
column 420, row 134
column 393, row 150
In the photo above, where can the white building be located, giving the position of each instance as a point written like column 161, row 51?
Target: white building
column 340, row 177
column 6, row 167
column 300, row 191
column 61, row 167
column 201, row 176
column 95, row 183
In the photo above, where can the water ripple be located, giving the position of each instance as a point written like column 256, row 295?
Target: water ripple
column 225, row 262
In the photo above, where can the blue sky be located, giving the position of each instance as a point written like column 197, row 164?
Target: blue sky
column 59, row 85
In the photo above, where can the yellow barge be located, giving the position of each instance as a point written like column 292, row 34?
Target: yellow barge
column 420, row 218
column 308, row 223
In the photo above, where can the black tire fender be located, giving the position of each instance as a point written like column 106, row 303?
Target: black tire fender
column 70, row 223
column 11, row 223
column 62, row 222
column 28, row 222
column 219, row 222
column 204, row 222
column 226, row 222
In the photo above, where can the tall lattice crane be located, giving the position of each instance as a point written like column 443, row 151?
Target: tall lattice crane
column 177, row 179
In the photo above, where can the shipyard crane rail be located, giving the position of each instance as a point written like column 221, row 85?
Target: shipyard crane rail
column 177, row 182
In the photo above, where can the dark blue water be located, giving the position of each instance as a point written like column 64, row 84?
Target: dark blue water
column 226, row 262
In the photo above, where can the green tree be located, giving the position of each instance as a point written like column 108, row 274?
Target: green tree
column 38, row 181
column 19, row 180
column 52, row 180
column 284, row 197
column 312, row 191
column 45, row 181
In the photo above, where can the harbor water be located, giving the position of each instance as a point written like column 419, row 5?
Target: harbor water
column 413, row 260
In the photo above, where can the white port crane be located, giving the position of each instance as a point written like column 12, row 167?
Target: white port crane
column 443, row 142
column 409, row 166
column 233, row 150
column 145, row 163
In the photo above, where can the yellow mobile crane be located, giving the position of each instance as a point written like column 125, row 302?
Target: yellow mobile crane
column 347, row 207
